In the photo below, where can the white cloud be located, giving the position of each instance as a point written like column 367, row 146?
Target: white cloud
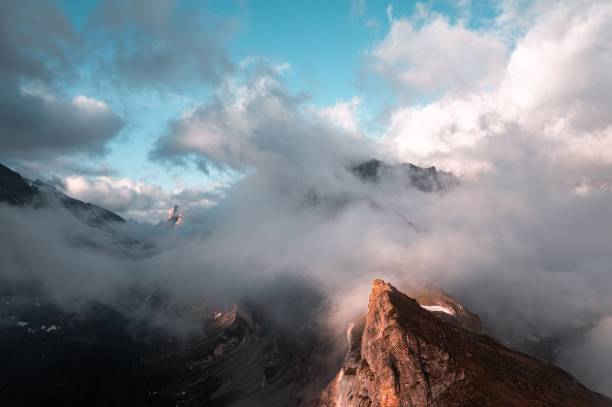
column 254, row 123
column 562, row 66
column 136, row 199
column 89, row 104
column 554, row 88
column 344, row 114
column 437, row 57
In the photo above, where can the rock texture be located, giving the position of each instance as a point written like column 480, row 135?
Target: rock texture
column 404, row 355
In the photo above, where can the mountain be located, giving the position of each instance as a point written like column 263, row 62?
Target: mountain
column 424, row 179
column 404, row 355
column 19, row 191
column 417, row 349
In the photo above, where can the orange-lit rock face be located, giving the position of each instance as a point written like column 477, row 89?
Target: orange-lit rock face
column 404, row 355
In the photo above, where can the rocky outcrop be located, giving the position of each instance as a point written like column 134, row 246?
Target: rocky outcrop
column 405, row 355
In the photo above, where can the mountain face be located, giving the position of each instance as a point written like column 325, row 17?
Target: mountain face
column 19, row 191
column 404, row 355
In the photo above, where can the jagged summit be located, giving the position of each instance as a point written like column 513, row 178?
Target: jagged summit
column 406, row 356
column 424, row 179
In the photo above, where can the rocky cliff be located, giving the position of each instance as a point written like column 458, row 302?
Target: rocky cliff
column 404, row 355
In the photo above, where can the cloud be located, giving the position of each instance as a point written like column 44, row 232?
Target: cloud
column 433, row 57
column 596, row 347
column 252, row 122
column 119, row 47
column 514, row 242
column 35, row 127
column 161, row 43
column 137, row 200
column 551, row 88
column 36, row 120
column 344, row 114
column 526, row 252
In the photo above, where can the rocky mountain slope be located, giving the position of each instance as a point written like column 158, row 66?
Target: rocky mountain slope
column 20, row 191
column 404, row 355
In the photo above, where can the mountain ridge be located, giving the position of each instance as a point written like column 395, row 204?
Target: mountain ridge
column 17, row 190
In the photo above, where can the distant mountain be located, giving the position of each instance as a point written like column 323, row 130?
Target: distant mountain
column 20, row 191
column 424, row 179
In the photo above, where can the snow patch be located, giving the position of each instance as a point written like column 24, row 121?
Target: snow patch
column 438, row 308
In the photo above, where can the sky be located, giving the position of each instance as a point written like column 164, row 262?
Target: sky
column 146, row 64
column 248, row 114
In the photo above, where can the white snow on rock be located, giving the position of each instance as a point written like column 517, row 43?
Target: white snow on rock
column 21, row 323
column 438, row 308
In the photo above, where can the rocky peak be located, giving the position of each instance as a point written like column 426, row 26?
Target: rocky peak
column 408, row 356
column 427, row 179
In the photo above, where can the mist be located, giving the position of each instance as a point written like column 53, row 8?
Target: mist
column 517, row 245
